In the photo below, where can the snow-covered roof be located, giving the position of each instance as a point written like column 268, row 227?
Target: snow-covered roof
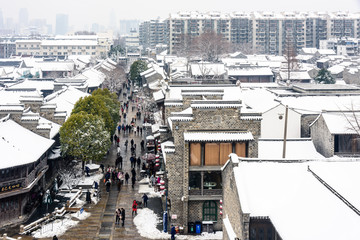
column 158, row 95
column 295, row 149
column 294, row 199
column 65, row 99
column 336, row 69
column 302, row 75
column 13, row 97
column 215, row 104
column 342, row 122
column 251, row 71
column 39, row 85
column 19, row 145
column 71, row 42
column 309, row 50
column 217, row 136
column 326, row 52
column 67, row 66
column 229, row 92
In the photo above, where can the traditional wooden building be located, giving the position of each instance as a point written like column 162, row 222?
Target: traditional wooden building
column 23, row 164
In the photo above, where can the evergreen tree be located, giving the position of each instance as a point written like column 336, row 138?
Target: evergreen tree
column 97, row 107
column 135, row 69
column 111, row 103
column 324, row 76
column 84, row 137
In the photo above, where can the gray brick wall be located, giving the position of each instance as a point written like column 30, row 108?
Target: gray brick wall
column 231, row 204
column 322, row 138
column 217, row 119
column 306, row 120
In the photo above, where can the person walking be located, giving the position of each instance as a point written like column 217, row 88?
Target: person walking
column 173, row 232
column 118, row 150
column 55, row 237
column 119, row 161
column 138, row 161
column 133, row 172
column 127, row 176
column 108, row 184
column 142, row 144
column 133, row 179
column 122, row 216
column 145, row 199
column 134, row 208
column 117, row 216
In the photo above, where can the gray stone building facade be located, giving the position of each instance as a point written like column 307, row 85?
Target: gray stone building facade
column 204, row 133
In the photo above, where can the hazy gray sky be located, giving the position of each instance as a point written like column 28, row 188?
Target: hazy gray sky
column 82, row 12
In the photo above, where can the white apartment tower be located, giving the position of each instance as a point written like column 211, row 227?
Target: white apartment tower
column 265, row 32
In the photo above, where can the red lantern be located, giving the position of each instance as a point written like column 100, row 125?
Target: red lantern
column 221, row 213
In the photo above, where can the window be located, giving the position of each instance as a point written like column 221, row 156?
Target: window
column 210, row 211
column 215, row 154
column 194, row 181
column 195, row 154
column 93, row 47
column 347, row 143
column 212, row 180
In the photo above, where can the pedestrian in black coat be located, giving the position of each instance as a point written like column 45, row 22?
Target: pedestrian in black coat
column 127, row 176
column 122, row 216
column 133, row 172
column 138, row 161
column 145, row 199
column 133, row 181
column 108, row 184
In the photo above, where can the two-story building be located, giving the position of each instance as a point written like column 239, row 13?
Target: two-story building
column 22, row 170
column 207, row 123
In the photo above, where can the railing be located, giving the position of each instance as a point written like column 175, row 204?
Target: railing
column 56, row 213
column 5, row 237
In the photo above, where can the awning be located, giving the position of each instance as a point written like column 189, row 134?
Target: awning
column 217, row 136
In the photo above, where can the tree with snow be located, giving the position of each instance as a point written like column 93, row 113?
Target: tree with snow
column 95, row 105
column 84, row 136
column 111, row 103
column 135, row 69
column 324, row 76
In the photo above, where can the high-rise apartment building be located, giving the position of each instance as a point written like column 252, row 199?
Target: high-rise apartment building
column 263, row 32
column 153, row 32
column 62, row 24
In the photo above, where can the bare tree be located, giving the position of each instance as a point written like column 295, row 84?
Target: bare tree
column 210, row 46
column 115, row 78
column 70, row 174
column 290, row 54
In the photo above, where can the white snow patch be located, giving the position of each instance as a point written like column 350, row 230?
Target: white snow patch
column 146, row 222
column 149, row 191
column 57, row 227
column 208, row 236
column 81, row 216
column 90, row 180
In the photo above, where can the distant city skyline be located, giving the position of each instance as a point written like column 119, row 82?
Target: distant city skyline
column 83, row 14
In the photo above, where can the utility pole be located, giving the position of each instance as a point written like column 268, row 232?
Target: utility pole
column 285, row 131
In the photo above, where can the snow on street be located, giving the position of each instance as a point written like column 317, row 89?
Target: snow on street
column 146, row 221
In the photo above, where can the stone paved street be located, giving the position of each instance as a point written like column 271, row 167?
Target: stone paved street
column 101, row 223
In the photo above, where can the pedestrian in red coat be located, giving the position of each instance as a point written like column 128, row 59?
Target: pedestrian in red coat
column 134, row 208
